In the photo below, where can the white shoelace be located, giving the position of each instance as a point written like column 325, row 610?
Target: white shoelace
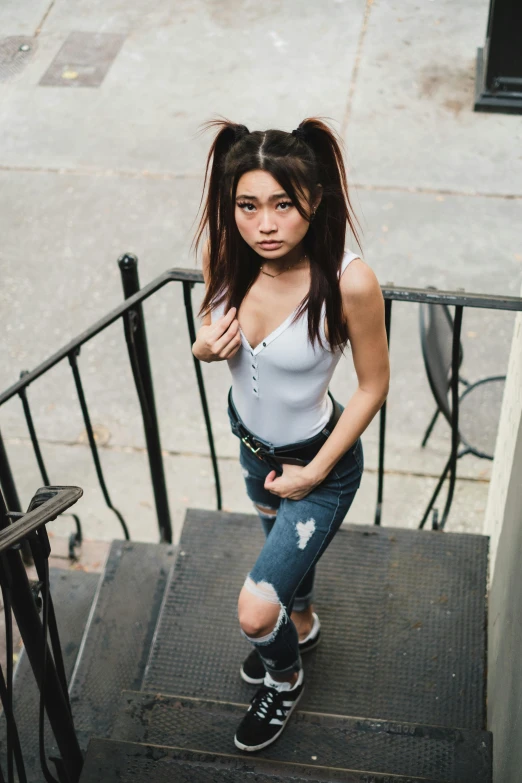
column 265, row 702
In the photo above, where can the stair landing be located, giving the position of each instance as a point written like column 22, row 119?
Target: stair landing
column 403, row 614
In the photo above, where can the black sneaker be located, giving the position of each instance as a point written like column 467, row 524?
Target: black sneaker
column 267, row 716
column 253, row 670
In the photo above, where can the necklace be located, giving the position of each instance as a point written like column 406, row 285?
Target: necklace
column 284, row 269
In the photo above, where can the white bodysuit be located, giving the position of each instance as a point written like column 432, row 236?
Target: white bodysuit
column 279, row 388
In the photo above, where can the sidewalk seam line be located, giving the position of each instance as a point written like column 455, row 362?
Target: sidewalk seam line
column 172, row 176
column 356, row 64
column 16, row 441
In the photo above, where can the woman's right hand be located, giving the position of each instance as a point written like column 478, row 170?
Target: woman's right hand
column 220, row 340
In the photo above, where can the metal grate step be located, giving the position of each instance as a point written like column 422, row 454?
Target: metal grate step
column 126, row 762
column 72, row 593
column 450, row 755
column 403, row 614
column 119, row 634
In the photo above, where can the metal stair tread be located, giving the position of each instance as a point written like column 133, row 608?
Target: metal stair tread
column 127, row 762
column 403, row 615
column 119, row 632
column 315, row 739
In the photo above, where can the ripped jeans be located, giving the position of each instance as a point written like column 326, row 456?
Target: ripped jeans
column 297, row 533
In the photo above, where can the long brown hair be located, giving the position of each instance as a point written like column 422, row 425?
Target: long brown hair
column 309, row 156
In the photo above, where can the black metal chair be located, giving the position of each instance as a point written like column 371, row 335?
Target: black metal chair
column 479, row 402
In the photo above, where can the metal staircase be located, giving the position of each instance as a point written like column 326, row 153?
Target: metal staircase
column 394, row 692
column 146, row 684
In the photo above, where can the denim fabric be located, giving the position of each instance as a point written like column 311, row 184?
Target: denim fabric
column 295, row 540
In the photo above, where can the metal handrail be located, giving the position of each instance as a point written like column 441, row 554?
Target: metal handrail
column 131, row 312
column 454, row 298
column 19, row 598
column 58, row 500
column 179, row 274
column 170, row 276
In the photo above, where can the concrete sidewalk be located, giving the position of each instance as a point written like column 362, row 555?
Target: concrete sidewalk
column 89, row 172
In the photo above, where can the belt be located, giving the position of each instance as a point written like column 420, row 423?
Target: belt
column 298, row 453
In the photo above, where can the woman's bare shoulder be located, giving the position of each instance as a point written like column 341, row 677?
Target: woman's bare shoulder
column 359, row 282
column 360, row 288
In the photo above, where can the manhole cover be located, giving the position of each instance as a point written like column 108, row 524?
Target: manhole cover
column 15, row 53
column 83, row 60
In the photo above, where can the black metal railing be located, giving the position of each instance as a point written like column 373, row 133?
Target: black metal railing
column 458, row 300
column 18, row 529
column 131, row 312
column 22, row 600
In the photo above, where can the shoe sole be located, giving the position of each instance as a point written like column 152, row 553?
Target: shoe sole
column 251, row 748
column 251, row 681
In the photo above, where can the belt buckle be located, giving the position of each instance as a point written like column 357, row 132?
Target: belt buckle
column 263, row 456
column 245, row 440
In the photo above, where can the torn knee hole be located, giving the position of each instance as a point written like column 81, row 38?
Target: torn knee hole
column 262, row 626
column 263, row 590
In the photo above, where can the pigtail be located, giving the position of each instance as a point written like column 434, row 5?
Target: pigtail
column 327, row 147
column 228, row 134
column 327, row 234
column 217, row 216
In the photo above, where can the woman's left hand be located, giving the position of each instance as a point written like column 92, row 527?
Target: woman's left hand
column 295, row 482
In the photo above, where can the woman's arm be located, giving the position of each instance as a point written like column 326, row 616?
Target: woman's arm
column 363, row 308
column 221, row 339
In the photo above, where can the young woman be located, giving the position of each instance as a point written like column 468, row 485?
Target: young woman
column 283, row 298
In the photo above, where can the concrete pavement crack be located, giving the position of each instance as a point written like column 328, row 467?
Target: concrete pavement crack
column 171, row 176
column 128, row 449
column 44, row 19
column 355, row 72
column 97, row 172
